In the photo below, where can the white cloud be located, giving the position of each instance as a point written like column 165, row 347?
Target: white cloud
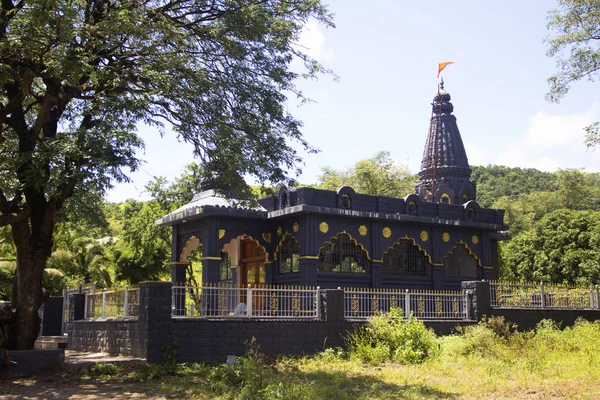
column 312, row 42
column 552, row 142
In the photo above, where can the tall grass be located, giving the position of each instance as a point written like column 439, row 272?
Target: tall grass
column 396, row 358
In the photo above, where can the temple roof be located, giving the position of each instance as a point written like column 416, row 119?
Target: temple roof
column 444, row 162
column 200, row 202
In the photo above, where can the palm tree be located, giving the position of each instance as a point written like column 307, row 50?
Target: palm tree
column 87, row 261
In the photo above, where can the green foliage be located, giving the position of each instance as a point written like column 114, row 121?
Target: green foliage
column 389, row 337
column 563, row 247
column 575, row 44
column 496, row 181
column 77, row 78
column 86, row 261
column 106, row 369
column 378, row 175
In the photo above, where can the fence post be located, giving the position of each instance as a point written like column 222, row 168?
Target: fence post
column 64, row 308
column 318, row 302
column 407, row 304
column 104, row 303
column 126, row 302
column 597, row 297
column 173, row 290
column 249, row 301
column 467, row 305
column 92, row 299
column 543, row 303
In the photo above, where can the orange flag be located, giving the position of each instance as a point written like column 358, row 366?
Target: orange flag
column 443, row 65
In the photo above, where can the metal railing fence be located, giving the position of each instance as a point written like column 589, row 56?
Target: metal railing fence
column 259, row 301
column 112, row 303
column 67, row 312
column 363, row 303
column 543, row 295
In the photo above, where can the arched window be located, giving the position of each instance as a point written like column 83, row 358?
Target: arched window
column 343, row 255
column 460, row 263
column 406, row 259
column 289, row 255
column 346, row 201
column 225, row 267
column 445, row 198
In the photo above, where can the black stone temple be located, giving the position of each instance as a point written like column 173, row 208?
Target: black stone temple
column 431, row 239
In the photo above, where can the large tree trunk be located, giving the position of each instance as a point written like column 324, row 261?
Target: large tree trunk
column 28, row 294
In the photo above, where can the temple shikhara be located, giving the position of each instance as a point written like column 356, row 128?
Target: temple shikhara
column 431, row 239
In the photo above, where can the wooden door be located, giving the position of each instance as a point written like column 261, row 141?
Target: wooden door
column 252, row 272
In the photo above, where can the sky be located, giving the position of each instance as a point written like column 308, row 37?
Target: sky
column 386, row 53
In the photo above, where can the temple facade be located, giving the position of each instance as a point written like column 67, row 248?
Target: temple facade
column 431, row 239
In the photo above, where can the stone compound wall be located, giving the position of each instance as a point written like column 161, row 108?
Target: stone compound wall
column 114, row 337
column 209, row 340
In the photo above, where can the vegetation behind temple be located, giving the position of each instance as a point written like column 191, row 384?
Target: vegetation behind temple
column 554, row 221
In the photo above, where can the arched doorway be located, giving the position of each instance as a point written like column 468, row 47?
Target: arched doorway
column 252, row 262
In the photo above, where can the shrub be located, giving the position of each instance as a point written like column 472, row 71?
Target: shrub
column 106, row 369
column 389, row 337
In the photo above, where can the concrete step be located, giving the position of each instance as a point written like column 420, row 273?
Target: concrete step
column 51, row 342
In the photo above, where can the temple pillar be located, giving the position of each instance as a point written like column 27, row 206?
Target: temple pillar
column 376, row 280
column 437, row 273
column 308, row 271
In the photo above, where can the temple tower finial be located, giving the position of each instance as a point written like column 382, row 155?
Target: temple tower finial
column 445, row 172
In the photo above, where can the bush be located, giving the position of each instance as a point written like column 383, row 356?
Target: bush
column 390, row 337
column 106, row 369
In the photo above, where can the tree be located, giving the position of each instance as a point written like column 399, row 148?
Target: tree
column 378, row 175
column 563, row 247
column 576, row 46
column 77, row 77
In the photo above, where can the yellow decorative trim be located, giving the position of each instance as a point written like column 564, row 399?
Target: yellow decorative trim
column 324, row 227
column 210, row 258
column 279, row 231
column 446, row 237
column 488, row 267
column 386, row 232
column 295, row 227
column 414, row 243
column 268, row 262
column 362, row 230
column 308, row 257
column 266, row 237
column 221, row 233
column 438, row 265
column 445, row 196
column 188, row 242
column 475, row 239
column 424, row 236
column 280, row 243
column 468, row 249
column 351, row 238
column 378, row 261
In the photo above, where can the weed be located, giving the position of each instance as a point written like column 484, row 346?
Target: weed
column 106, row 369
column 390, row 337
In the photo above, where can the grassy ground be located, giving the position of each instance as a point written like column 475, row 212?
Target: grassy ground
column 486, row 361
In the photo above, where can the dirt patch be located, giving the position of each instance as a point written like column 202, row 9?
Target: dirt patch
column 61, row 386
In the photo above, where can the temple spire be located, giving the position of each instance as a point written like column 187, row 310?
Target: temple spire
column 445, row 172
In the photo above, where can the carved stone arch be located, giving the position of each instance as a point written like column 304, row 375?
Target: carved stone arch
column 406, row 258
column 343, row 254
column 189, row 243
column 445, row 194
column 412, row 204
column 345, row 196
column 461, row 262
column 471, row 210
column 287, row 254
